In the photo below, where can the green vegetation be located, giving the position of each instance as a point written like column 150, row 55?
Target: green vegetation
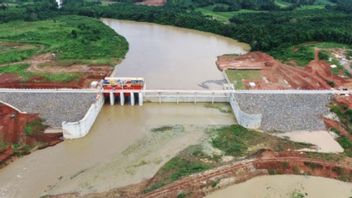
column 13, row 52
column 3, row 146
column 346, row 145
column 345, row 116
column 220, row 16
column 175, row 169
column 236, row 77
column 238, row 141
column 21, row 149
column 297, row 194
column 34, row 127
column 302, row 54
column 21, row 70
column 72, row 38
column 222, row 107
column 162, row 129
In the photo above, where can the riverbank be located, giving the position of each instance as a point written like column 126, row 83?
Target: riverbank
column 22, row 133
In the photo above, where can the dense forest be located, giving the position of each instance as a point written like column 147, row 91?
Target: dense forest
column 263, row 30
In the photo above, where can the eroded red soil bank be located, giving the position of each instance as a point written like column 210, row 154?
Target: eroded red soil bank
column 20, row 133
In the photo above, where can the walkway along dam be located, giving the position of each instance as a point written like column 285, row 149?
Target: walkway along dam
column 256, row 109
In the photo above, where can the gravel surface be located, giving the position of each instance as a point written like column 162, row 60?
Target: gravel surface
column 54, row 108
column 287, row 112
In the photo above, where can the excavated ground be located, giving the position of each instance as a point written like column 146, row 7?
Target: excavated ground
column 276, row 75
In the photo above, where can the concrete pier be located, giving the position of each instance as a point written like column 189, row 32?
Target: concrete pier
column 112, row 98
column 140, row 99
column 132, row 101
column 122, row 99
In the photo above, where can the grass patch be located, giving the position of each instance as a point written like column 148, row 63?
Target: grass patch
column 60, row 77
column 14, row 52
column 187, row 162
column 344, row 114
column 34, row 127
column 238, row 141
column 236, row 77
column 223, row 17
column 222, row 107
column 175, row 169
column 21, row 70
column 20, row 150
column 162, row 129
column 346, row 145
column 3, row 145
column 82, row 39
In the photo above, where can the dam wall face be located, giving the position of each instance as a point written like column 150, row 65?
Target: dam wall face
column 79, row 129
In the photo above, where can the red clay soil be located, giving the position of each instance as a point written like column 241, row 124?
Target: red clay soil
column 12, row 127
column 265, row 163
column 152, row 2
column 333, row 124
column 252, row 60
column 276, row 75
column 344, row 100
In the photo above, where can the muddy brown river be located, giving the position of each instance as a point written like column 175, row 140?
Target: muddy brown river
column 173, row 58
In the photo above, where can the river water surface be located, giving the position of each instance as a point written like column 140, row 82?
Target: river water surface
column 173, row 58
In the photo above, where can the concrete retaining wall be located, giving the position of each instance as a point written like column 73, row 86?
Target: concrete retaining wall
column 73, row 130
column 251, row 121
